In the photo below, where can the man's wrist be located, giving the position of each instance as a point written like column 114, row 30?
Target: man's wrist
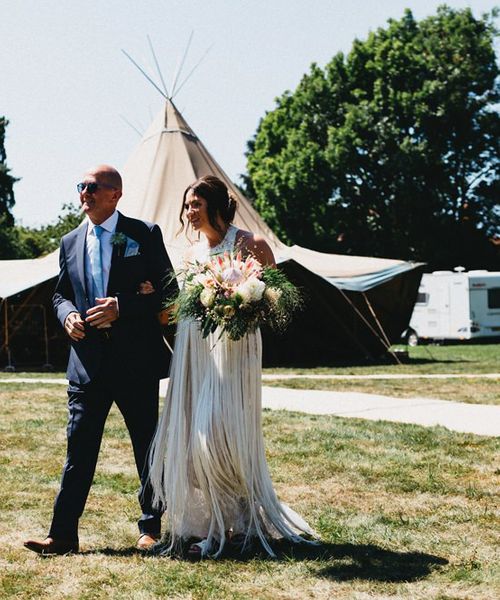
column 73, row 312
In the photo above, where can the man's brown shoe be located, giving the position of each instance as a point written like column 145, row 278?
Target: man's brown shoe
column 147, row 540
column 52, row 547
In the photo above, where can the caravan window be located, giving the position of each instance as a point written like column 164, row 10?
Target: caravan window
column 422, row 298
column 494, row 298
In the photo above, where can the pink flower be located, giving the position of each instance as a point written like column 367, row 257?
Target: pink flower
column 232, row 276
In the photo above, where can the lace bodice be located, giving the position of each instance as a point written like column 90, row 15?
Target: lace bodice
column 202, row 251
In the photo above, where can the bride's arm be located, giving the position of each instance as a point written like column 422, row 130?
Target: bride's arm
column 255, row 245
column 165, row 315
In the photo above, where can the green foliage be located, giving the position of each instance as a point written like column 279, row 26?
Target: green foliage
column 38, row 241
column 392, row 150
column 10, row 244
column 9, row 238
column 26, row 242
column 6, row 180
column 283, row 299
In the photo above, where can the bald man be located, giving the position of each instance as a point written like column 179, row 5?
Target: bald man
column 117, row 350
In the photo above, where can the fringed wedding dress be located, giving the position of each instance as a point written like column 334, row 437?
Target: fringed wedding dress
column 208, row 465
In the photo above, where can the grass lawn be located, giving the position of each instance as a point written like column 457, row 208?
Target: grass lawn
column 403, row 512
column 474, row 391
column 458, row 358
column 455, row 359
column 32, row 375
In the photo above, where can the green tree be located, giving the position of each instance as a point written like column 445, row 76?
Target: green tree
column 37, row 241
column 27, row 242
column 392, row 150
column 9, row 242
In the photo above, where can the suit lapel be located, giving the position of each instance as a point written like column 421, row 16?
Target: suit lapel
column 115, row 257
column 80, row 254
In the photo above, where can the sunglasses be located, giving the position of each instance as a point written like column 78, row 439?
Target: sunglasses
column 93, row 187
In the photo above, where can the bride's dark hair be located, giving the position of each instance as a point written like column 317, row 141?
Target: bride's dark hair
column 219, row 200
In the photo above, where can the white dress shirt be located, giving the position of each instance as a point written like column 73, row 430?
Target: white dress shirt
column 109, row 226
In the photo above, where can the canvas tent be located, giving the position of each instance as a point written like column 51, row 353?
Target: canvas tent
column 355, row 306
column 29, row 331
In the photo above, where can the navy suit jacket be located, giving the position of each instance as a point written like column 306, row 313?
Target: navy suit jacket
column 135, row 339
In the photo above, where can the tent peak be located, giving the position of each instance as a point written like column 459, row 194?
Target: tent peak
column 176, row 86
column 175, row 122
column 169, row 120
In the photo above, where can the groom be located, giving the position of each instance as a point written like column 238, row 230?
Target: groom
column 117, row 351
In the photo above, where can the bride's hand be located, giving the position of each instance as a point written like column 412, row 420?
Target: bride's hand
column 146, row 287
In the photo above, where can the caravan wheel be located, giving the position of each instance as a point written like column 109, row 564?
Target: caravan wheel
column 412, row 338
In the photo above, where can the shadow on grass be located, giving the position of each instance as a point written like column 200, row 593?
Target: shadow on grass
column 364, row 561
column 118, row 552
column 340, row 562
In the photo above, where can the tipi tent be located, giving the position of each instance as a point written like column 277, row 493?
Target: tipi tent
column 170, row 157
column 356, row 306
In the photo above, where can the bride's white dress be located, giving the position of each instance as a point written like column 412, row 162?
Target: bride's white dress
column 208, row 465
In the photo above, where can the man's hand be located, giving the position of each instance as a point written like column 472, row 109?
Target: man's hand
column 103, row 314
column 75, row 326
column 145, row 288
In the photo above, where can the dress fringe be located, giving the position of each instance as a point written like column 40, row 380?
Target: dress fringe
column 207, row 461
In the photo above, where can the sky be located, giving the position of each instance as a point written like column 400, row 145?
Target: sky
column 66, row 87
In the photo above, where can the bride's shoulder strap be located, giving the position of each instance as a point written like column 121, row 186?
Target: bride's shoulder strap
column 230, row 239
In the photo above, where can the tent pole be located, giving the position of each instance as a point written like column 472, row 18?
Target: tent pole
column 370, row 307
column 10, row 366
column 145, row 74
column 157, row 66
column 180, row 66
column 364, row 319
column 47, row 364
column 21, row 307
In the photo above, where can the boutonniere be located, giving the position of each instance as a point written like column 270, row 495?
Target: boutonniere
column 118, row 238
column 126, row 246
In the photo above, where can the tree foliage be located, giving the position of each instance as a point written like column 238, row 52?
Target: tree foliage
column 6, row 180
column 37, row 241
column 9, row 242
column 17, row 241
column 392, row 150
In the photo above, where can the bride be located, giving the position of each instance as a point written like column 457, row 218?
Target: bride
column 208, row 464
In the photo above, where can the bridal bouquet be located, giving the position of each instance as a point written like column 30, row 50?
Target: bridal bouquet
column 235, row 294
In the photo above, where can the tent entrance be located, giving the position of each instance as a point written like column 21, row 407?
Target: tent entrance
column 25, row 340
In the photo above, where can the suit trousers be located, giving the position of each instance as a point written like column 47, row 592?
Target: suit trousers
column 88, row 407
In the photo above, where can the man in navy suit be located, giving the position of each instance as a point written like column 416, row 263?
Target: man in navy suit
column 117, row 350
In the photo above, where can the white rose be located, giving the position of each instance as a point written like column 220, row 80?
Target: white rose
column 251, row 290
column 207, row 297
column 257, row 288
column 244, row 293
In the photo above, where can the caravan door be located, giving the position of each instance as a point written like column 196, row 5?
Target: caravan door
column 438, row 312
column 459, row 311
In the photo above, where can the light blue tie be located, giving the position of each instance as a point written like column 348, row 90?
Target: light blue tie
column 95, row 255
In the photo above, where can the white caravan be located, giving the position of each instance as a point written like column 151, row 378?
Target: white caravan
column 456, row 305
